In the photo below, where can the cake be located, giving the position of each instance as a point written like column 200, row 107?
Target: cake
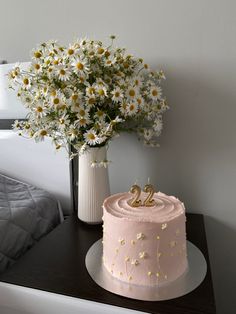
column 144, row 245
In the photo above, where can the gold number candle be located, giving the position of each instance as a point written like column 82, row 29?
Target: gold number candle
column 149, row 201
column 135, row 201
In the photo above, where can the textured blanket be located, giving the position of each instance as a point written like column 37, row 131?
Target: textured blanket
column 26, row 214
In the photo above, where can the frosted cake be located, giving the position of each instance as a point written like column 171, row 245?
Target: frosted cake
column 144, row 245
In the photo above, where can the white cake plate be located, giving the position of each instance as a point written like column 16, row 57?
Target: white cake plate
column 189, row 281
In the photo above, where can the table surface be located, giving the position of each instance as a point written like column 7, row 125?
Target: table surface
column 57, row 264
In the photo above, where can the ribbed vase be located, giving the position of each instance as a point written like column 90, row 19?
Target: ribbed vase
column 93, row 185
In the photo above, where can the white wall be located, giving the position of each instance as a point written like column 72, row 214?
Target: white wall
column 195, row 44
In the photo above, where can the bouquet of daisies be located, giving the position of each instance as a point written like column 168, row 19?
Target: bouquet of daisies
column 85, row 94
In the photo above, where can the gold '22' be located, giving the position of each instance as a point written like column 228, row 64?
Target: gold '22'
column 136, row 201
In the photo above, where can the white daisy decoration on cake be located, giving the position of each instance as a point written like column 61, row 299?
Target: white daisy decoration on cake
column 140, row 236
column 142, row 255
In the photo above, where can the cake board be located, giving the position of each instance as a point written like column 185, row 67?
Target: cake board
column 190, row 280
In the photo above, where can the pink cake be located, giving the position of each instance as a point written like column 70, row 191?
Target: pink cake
column 144, row 245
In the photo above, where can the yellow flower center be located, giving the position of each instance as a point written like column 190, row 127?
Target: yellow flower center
column 139, row 101
column 91, row 90
column 91, row 101
column 79, row 66
column 107, row 54
column 126, row 65
column 132, row 92
column 82, row 121
column 74, row 97
column 117, row 94
column 131, row 107
column 62, row 121
column 63, row 107
column 82, row 112
column 37, row 54
column 55, row 62
column 50, row 70
column 101, row 92
column 91, row 136
column 100, row 113
column 145, row 66
column 100, row 51
column 62, row 72
column 26, row 81
column 39, row 109
column 70, row 52
column 56, row 101
column 37, row 66
column 154, row 92
column 43, row 133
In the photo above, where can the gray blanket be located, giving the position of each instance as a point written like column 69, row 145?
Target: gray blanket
column 26, row 214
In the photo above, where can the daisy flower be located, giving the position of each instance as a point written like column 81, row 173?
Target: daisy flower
column 72, row 50
column 26, row 82
column 83, row 113
column 140, row 101
column 83, row 122
column 64, row 121
column 91, row 137
column 90, row 90
column 40, row 110
column 100, row 115
column 80, row 66
column 137, row 81
column 63, row 73
column 155, row 92
column 132, row 92
column 90, row 101
column 73, row 133
column 56, row 101
column 132, row 108
column 117, row 95
column 100, row 51
column 101, row 91
column 40, row 135
column 36, row 54
column 37, row 67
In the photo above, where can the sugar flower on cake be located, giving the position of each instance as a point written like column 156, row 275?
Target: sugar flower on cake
column 85, row 94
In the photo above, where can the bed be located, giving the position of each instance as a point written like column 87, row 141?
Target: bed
column 27, row 213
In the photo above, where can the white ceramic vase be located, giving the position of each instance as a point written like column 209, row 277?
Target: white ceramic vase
column 93, row 185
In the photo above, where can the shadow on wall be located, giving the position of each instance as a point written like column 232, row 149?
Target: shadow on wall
column 223, row 256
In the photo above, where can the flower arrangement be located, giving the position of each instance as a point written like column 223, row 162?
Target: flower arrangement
column 85, row 94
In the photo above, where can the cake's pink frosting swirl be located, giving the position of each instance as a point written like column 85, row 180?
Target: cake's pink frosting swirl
column 165, row 209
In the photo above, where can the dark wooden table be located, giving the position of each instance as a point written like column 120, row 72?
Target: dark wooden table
column 56, row 264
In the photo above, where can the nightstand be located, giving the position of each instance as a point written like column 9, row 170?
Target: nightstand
column 56, row 265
